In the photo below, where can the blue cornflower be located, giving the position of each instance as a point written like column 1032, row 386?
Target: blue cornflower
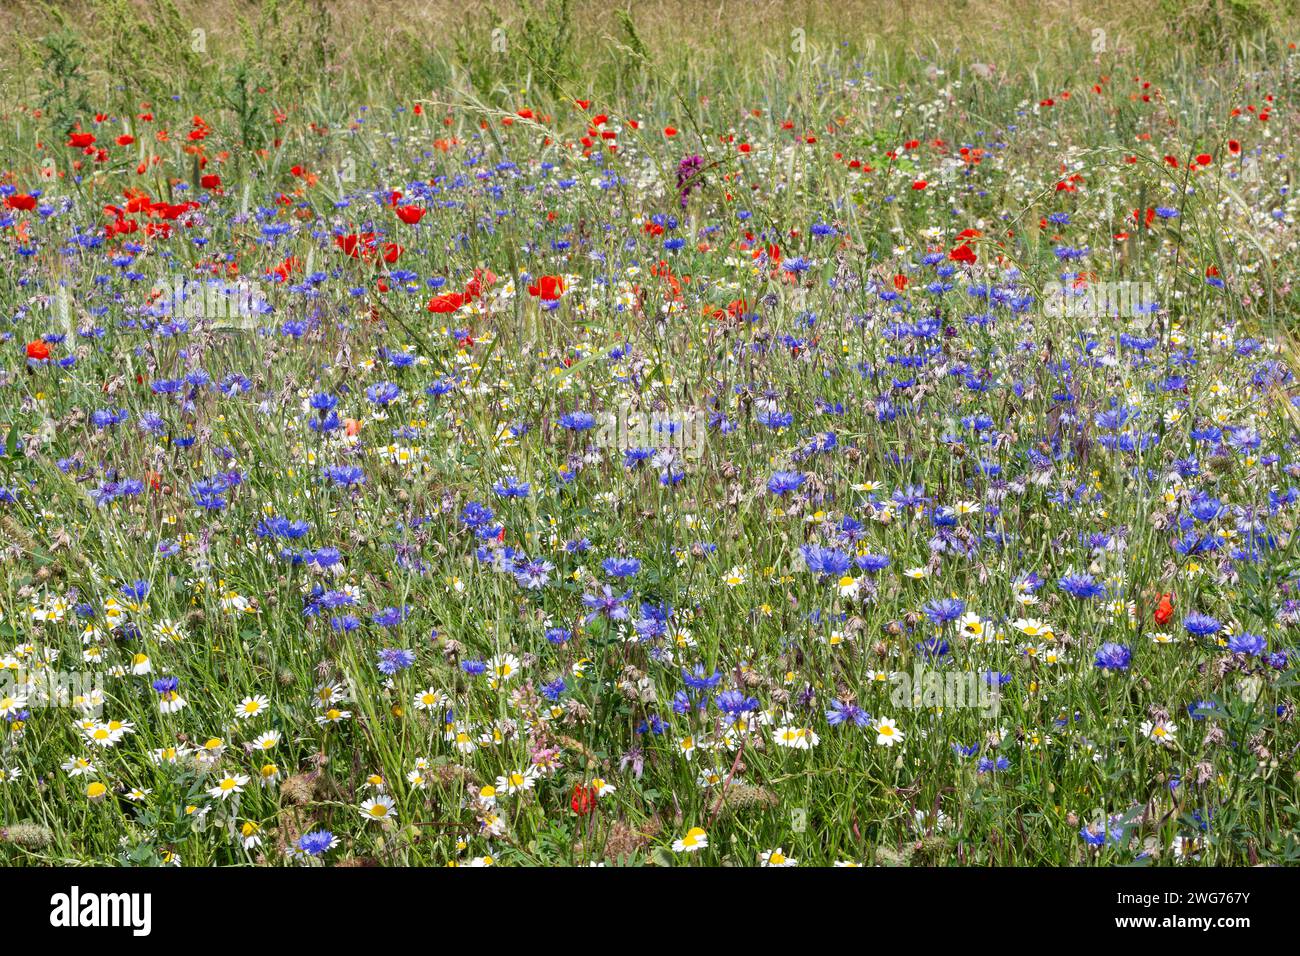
column 1098, row 834
column 843, row 712
column 475, row 514
column 1199, row 710
column 394, row 659
column 735, row 702
column 825, row 561
column 389, row 616
column 872, row 563
column 1113, row 657
column 383, row 393
column 345, row 476
column 933, row 647
column 317, row 842
column 606, row 602
column 784, row 482
column 621, row 567
column 1250, row 644
column 512, row 487
column 578, row 421
column 697, row 680
column 1081, row 586
column 945, row 610
column 209, row 493
column 534, row 574
column 1201, row 625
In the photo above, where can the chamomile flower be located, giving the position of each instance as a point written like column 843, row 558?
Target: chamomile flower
column 517, row 781
column 887, row 732
column 1159, row 731
column 796, row 738
column 228, row 785
column 776, row 858
column 250, row 835
column 694, row 840
column 79, row 767
column 503, row 667
column 430, row 699
column 378, row 809
column 251, row 707
column 333, row 716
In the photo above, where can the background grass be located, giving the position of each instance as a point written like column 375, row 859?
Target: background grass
column 331, row 89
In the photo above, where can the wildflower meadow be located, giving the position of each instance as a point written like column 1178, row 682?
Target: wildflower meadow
column 670, row 434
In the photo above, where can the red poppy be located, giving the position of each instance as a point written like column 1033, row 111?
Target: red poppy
column 1165, row 609
column 583, row 800
column 447, row 302
column 547, row 288
column 38, row 351
column 286, row 268
column 356, row 245
column 81, row 140
column 410, row 214
column 963, row 253
column 1149, row 218
column 919, row 185
column 735, row 309
column 172, row 211
column 21, row 202
column 210, row 181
